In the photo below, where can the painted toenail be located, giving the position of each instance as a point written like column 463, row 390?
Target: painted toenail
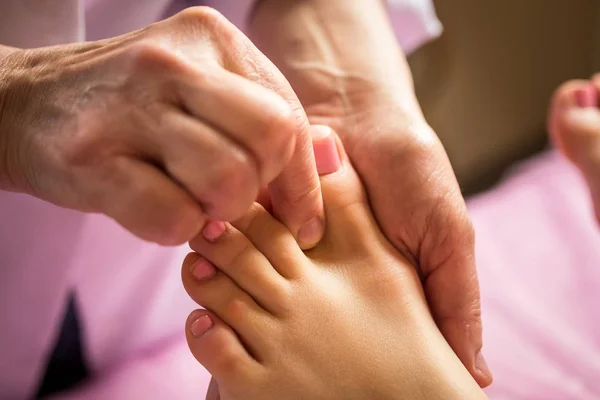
column 586, row 97
column 201, row 325
column 326, row 152
column 311, row 232
column 213, row 230
column 203, row 269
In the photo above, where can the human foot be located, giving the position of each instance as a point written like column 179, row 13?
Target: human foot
column 346, row 320
column 574, row 125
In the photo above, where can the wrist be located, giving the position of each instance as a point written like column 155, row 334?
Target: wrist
column 9, row 69
column 328, row 48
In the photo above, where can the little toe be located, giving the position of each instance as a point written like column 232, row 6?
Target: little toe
column 216, row 346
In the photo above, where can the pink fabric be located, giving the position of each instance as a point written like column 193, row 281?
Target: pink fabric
column 129, row 291
column 538, row 254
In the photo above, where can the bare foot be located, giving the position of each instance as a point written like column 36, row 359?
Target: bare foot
column 574, row 125
column 346, row 320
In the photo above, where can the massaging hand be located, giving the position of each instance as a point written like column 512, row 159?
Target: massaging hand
column 350, row 74
column 158, row 129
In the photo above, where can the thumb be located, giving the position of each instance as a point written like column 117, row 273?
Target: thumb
column 296, row 194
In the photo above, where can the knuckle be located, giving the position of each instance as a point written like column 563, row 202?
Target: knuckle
column 281, row 130
column 202, row 16
column 229, row 360
column 83, row 148
column 238, row 256
column 236, row 308
column 232, row 180
column 148, row 56
column 232, row 168
column 182, row 226
column 249, row 221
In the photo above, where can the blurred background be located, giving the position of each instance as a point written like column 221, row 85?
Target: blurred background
column 486, row 83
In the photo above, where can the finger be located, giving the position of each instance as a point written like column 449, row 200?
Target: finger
column 220, row 175
column 296, row 195
column 452, row 289
column 255, row 118
column 146, row 202
column 296, row 192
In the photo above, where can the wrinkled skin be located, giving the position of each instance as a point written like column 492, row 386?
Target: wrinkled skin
column 159, row 129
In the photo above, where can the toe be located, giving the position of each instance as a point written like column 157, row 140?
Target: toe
column 216, row 292
column 273, row 240
column 574, row 125
column 237, row 257
column 345, row 199
column 216, row 346
column 572, row 118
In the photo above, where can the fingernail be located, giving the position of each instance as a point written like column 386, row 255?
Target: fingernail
column 481, row 364
column 586, row 97
column 325, row 149
column 311, row 232
column 201, row 325
column 203, row 269
column 213, row 230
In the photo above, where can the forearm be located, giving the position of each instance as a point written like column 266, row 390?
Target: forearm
column 333, row 47
column 5, row 70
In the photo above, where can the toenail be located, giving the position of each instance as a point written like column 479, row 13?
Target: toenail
column 213, row 230
column 201, row 325
column 311, row 232
column 327, row 156
column 586, row 97
column 203, row 269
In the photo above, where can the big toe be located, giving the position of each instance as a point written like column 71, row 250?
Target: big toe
column 574, row 125
column 340, row 183
column 574, row 121
column 347, row 212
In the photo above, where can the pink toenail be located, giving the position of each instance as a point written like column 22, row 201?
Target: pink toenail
column 586, row 97
column 201, row 325
column 203, row 269
column 213, row 230
column 326, row 152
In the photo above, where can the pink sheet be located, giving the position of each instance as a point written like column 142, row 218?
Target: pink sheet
column 538, row 255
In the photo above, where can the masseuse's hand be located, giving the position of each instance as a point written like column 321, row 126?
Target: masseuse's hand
column 159, row 129
column 350, row 74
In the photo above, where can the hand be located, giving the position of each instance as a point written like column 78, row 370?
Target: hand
column 350, row 74
column 158, row 129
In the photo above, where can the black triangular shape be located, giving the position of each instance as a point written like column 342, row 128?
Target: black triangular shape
column 66, row 366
